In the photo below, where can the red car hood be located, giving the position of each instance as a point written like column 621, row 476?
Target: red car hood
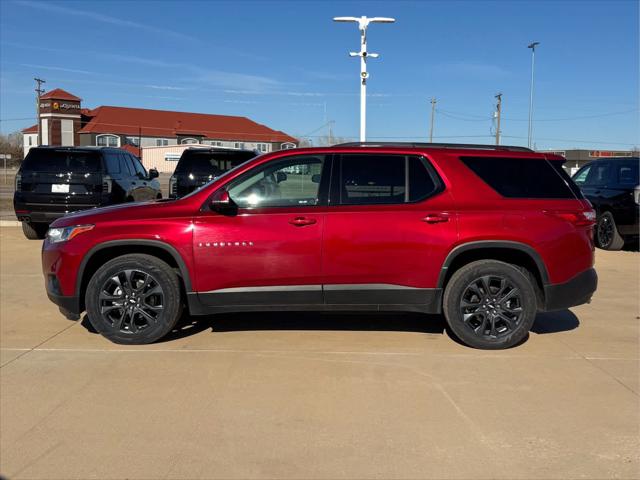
column 120, row 212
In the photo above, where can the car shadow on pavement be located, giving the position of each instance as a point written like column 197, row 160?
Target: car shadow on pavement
column 554, row 322
column 631, row 246
column 548, row 322
column 237, row 322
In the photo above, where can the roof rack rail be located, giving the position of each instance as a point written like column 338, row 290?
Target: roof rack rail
column 469, row 146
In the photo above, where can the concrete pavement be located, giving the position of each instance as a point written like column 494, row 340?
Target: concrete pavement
column 317, row 396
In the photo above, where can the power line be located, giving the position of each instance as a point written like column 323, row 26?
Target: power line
column 470, row 117
column 575, row 141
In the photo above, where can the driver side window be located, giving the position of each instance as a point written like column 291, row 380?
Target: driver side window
column 293, row 182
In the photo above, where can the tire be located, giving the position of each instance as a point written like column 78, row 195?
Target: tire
column 606, row 234
column 34, row 231
column 499, row 320
column 126, row 312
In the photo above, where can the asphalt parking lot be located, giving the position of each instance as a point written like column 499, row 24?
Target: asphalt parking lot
column 317, row 396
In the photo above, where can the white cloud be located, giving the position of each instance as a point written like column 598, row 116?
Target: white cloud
column 100, row 17
column 59, row 69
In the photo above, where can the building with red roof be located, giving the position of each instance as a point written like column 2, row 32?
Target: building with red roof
column 64, row 122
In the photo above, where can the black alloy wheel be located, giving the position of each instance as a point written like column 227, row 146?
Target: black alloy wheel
column 490, row 304
column 131, row 300
column 606, row 233
column 134, row 299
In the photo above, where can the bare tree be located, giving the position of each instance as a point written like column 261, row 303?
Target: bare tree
column 12, row 144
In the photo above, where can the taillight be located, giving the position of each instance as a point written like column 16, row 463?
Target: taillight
column 636, row 195
column 584, row 218
column 173, row 186
column 107, row 184
column 18, row 182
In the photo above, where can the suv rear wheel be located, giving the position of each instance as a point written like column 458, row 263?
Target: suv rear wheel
column 490, row 304
column 606, row 234
column 34, row 231
column 134, row 299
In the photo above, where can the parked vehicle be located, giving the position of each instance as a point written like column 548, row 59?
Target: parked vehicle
column 487, row 235
column 612, row 186
column 54, row 181
column 200, row 165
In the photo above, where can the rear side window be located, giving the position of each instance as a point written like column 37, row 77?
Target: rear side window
column 599, row 174
column 524, row 177
column 627, row 174
column 59, row 161
column 385, row 179
column 211, row 163
column 112, row 161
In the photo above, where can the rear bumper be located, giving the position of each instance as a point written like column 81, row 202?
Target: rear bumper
column 576, row 291
column 47, row 213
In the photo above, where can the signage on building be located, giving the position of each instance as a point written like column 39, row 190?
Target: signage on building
column 60, row 106
column 608, row 153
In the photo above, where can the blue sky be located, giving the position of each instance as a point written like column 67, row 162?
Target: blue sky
column 284, row 63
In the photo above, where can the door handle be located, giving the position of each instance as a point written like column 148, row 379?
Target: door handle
column 302, row 221
column 435, row 218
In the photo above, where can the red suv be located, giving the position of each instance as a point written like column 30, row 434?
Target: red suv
column 487, row 235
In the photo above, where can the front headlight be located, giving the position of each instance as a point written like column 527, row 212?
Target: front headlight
column 57, row 235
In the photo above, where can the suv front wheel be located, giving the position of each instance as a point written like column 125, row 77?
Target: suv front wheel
column 134, row 299
column 490, row 304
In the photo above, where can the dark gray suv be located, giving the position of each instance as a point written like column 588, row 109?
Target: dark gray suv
column 612, row 186
column 53, row 181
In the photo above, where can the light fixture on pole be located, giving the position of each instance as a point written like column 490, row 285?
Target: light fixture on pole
column 532, row 46
column 363, row 23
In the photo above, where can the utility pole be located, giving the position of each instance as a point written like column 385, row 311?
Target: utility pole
column 363, row 22
column 498, row 113
column 39, row 91
column 532, row 46
column 433, row 114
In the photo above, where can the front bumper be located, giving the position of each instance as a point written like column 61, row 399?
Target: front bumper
column 575, row 292
column 69, row 305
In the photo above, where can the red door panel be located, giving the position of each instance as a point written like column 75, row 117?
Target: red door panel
column 275, row 246
column 391, row 244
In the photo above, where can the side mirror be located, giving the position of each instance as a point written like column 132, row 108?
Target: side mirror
column 153, row 173
column 281, row 177
column 222, row 203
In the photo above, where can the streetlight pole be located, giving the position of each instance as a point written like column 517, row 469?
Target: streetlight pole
column 363, row 22
column 532, row 46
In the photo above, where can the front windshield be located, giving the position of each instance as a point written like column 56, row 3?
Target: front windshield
column 219, row 177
